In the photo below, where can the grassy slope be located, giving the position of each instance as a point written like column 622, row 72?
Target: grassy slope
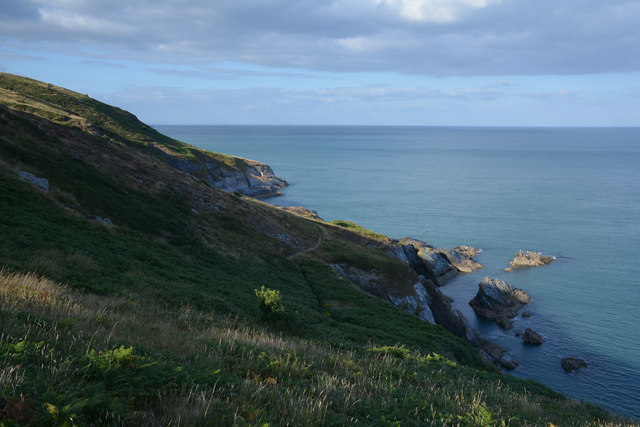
column 158, row 322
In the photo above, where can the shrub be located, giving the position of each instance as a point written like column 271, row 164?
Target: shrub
column 269, row 301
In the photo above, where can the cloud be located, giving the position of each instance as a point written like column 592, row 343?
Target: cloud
column 442, row 11
column 428, row 37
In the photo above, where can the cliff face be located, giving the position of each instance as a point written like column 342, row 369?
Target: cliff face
column 248, row 177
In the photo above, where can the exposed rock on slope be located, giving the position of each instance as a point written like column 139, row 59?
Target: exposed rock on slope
column 438, row 265
column 414, row 300
column 37, row 181
column 302, row 211
column 461, row 258
column 499, row 301
column 248, row 177
column 530, row 259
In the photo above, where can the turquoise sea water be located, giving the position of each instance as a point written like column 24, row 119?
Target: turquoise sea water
column 573, row 193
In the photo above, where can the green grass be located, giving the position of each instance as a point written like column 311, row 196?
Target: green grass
column 73, row 109
column 68, row 355
column 360, row 230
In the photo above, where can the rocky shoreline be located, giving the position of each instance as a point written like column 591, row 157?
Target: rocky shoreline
column 496, row 299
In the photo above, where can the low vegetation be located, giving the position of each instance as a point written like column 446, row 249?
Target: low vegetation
column 230, row 315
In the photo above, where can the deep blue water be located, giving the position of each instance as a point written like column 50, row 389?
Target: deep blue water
column 573, row 193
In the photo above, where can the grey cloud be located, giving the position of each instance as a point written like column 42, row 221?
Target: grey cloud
column 508, row 37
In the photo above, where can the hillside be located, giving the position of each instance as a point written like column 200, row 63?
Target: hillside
column 131, row 270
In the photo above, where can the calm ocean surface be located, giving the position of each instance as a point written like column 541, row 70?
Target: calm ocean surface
column 573, row 193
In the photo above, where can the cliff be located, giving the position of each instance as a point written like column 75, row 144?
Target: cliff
column 81, row 113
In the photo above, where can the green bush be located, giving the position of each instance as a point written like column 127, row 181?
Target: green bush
column 269, row 301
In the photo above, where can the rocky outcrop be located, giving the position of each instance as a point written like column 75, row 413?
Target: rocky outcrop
column 499, row 301
column 418, row 304
column 450, row 319
column 532, row 337
column 301, row 211
column 499, row 355
column 529, row 259
column 228, row 173
column 570, row 364
column 438, row 265
column 415, row 300
column 461, row 258
column 32, row 179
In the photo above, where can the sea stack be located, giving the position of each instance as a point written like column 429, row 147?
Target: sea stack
column 499, row 301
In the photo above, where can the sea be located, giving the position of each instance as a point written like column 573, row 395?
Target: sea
column 572, row 193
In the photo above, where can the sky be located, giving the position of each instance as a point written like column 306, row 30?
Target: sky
column 337, row 62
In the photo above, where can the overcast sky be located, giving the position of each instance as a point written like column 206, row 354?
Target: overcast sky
column 394, row 62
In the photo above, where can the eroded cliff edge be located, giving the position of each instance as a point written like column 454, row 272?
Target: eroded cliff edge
column 229, row 173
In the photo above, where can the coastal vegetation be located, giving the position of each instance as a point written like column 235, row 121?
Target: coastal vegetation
column 196, row 306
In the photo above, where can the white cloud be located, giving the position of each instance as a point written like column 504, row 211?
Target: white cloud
column 80, row 23
column 439, row 11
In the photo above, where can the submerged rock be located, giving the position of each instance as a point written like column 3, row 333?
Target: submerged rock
column 530, row 259
column 532, row 337
column 499, row 301
column 570, row 364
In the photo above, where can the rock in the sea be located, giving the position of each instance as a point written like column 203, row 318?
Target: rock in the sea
column 530, row 259
column 532, row 337
column 570, row 364
column 31, row 178
column 526, row 314
column 499, row 301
